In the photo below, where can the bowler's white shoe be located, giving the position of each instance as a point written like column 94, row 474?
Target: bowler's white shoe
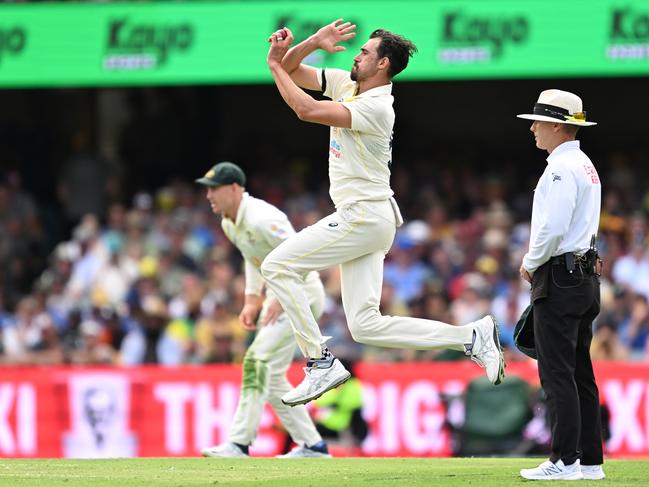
column 226, row 450
column 553, row 471
column 593, row 472
column 317, row 381
column 319, row 450
column 486, row 350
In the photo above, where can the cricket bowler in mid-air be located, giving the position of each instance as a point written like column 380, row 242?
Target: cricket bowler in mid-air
column 361, row 230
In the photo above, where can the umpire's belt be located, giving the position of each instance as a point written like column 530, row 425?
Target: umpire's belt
column 584, row 262
column 561, row 259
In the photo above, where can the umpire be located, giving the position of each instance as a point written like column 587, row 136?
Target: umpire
column 562, row 265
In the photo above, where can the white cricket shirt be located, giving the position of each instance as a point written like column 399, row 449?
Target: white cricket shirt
column 360, row 157
column 566, row 208
column 259, row 228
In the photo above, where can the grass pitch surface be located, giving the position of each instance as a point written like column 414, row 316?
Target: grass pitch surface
column 177, row 472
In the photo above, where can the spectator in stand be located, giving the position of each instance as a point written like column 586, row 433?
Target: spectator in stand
column 404, row 271
column 92, row 260
column 471, row 298
column 634, row 333
column 91, row 349
column 606, row 344
column 22, row 242
column 32, row 338
column 508, row 305
column 147, row 342
column 632, row 269
column 220, row 338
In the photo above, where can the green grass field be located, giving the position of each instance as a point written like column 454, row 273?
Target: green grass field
column 176, row 472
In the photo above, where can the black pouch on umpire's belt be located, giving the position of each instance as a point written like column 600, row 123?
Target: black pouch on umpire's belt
column 524, row 330
column 524, row 333
column 540, row 282
column 593, row 263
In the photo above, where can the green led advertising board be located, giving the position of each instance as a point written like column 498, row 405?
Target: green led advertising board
column 67, row 44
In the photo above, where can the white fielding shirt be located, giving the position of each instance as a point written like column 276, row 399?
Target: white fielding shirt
column 259, row 228
column 566, row 208
column 360, row 157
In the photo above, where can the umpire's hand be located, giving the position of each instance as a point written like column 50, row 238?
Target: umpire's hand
column 525, row 275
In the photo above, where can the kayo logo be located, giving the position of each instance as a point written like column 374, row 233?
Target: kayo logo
column 631, row 26
column 12, row 41
column 469, row 38
column 629, row 34
column 140, row 46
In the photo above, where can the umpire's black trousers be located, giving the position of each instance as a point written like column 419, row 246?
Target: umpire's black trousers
column 565, row 305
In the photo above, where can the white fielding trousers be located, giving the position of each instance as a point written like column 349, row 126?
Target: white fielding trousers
column 264, row 377
column 357, row 236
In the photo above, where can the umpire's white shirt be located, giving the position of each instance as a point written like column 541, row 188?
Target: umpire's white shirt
column 566, row 208
column 259, row 228
column 360, row 157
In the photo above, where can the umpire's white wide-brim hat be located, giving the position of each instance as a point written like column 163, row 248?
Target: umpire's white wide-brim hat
column 559, row 107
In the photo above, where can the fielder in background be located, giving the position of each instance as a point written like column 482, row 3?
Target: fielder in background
column 563, row 267
column 256, row 227
column 361, row 230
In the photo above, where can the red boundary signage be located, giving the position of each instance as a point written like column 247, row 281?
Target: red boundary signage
column 154, row 411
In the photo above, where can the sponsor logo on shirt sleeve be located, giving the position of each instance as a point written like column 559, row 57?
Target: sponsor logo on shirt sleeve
column 591, row 172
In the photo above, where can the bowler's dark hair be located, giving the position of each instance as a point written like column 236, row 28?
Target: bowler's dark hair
column 396, row 48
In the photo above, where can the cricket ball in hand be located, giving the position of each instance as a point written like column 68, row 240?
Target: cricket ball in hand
column 282, row 34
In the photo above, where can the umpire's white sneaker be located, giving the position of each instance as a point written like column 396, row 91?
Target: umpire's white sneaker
column 486, row 351
column 553, row 471
column 319, row 450
column 226, row 450
column 317, row 381
column 592, row 472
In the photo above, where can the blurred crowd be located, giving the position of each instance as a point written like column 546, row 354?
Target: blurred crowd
column 155, row 281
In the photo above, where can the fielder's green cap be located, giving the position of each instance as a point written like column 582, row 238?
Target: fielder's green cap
column 223, row 173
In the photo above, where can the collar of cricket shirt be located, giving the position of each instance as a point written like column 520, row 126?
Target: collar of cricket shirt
column 377, row 91
column 242, row 209
column 560, row 149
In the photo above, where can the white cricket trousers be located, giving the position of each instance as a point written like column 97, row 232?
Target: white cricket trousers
column 264, row 378
column 357, row 236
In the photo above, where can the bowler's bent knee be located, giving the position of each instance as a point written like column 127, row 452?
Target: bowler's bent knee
column 363, row 326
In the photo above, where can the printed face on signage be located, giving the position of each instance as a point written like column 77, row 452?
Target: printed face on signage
column 99, row 405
